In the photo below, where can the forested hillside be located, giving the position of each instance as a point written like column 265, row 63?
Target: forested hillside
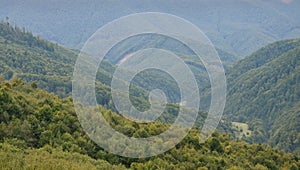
column 39, row 130
column 51, row 66
column 264, row 92
column 34, row 59
column 41, row 127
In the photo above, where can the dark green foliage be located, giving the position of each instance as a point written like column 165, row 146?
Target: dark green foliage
column 32, row 120
column 262, row 56
column 39, row 130
column 33, row 59
column 21, row 36
column 263, row 90
column 36, row 60
column 52, row 70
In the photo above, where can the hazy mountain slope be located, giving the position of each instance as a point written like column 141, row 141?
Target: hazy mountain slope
column 34, row 59
column 41, row 130
column 151, row 79
column 265, row 93
column 51, row 66
column 140, row 42
column 237, row 26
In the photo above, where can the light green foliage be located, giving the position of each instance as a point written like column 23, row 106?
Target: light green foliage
column 39, row 130
column 47, row 157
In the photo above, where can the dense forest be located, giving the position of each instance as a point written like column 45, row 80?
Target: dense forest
column 263, row 91
column 41, row 130
column 52, row 70
column 39, row 127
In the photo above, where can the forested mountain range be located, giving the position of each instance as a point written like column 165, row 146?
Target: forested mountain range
column 263, row 92
column 51, row 66
column 237, row 26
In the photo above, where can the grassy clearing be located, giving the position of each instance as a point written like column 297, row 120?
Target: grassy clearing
column 242, row 129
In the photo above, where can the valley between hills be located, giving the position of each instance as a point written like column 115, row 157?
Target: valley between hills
column 39, row 129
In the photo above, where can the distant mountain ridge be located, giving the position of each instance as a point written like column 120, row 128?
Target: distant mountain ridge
column 238, row 26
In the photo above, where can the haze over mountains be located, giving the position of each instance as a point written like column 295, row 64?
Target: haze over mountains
column 263, row 80
column 262, row 88
column 237, row 26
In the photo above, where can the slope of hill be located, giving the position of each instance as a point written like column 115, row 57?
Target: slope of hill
column 144, row 41
column 264, row 92
column 51, row 66
column 261, row 57
column 41, row 130
column 152, row 79
column 237, row 26
column 37, row 60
